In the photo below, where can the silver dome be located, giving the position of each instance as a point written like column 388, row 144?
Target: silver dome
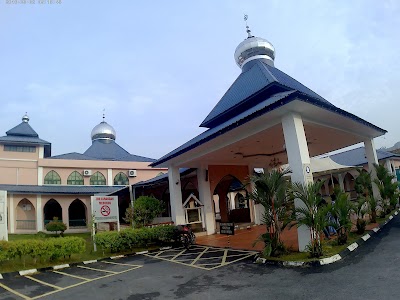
column 103, row 131
column 25, row 118
column 254, row 48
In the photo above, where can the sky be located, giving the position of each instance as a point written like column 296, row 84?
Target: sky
column 159, row 67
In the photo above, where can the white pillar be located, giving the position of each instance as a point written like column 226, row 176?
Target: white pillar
column 372, row 159
column 12, row 214
column 110, row 180
column 347, row 183
column 207, row 199
column 388, row 166
column 40, row 175
column 299, row 163
column 326, row 186
column 3, row 216
column 39, row 213
column 258, row 209
column 341, row 183
column 175, row 194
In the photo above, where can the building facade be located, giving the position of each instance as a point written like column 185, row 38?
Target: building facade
column 41, row 186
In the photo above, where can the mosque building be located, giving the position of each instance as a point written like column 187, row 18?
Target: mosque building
column 41, row 186
column 266, row 119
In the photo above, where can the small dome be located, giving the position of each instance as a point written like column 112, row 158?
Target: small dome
column 254, row 48
column 103, row 131
column 25, row 118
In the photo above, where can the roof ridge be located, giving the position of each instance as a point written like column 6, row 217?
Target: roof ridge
column 264, row 70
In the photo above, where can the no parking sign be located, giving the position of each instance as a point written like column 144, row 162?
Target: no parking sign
column 105, row 209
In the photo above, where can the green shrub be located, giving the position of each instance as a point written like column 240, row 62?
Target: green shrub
column 129, row 239
column 145, row 209
column 46, row 249
column 56, row 226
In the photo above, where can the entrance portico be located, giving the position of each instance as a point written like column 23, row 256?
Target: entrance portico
column 266, row 119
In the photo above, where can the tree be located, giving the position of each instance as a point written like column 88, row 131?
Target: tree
column 145, row 209
column 129, row 215
column 57, row 226
column 311, row 213
column 271, row 191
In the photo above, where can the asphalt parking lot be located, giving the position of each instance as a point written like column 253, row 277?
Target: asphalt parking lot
column 49, row 283
column 202, row 257
column 46, row 283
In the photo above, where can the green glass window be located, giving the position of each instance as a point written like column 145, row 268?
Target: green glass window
column 121, row 179
column 97, row 179
column 75, row 179
column 14, row 148
column 52, row 178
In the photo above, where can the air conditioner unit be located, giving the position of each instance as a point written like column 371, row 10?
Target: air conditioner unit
column 87, row 172
column 132, row 173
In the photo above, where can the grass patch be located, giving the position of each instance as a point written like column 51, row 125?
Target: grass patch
column 30, row 263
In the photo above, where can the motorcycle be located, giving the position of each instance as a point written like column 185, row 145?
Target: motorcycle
column 185, row 236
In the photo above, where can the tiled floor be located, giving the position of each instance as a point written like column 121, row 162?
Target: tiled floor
column 244, row 239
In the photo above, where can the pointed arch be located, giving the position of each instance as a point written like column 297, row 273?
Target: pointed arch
column 25, row 215
column 75, row 178
column 77, row 214
column 98, row 179
column 121, row 179
column 227, row 189
column 52, row 177
column 52, row 209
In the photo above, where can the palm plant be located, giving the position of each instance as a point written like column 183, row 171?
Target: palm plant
column 363, row 183
column 271, row 192
column 387, row 188
column 361, row 209
column 341, row 213
column 310, row 213
column 372, row 204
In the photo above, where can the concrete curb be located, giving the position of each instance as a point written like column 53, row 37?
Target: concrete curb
column 63, row 266
column 328, row 260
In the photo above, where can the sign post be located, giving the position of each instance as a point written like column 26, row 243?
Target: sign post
column 104, row 210
column 3, row 216
column 228, row 229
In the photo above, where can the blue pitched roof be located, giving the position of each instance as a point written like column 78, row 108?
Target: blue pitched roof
column 257, row 81
column 255, row 111
column 60, row 189
column 23, row 129
column 72, row 155
column 162, row 178
column 23, row 133
column 357, row 157
column 23, row 140
column 104, row 150
column 110, row 150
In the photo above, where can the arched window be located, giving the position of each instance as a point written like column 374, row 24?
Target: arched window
column 75, row 178
column 121, row 179
column 97, row 179
column 52, row 178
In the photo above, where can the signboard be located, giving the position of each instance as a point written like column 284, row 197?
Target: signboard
column 3, row 216
column 307, row 173
column 227, row 228
column 105, row 209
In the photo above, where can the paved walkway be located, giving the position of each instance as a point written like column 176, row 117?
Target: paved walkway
column 244, row 239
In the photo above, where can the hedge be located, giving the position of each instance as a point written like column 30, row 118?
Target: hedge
column 129, row 239
column 46, row 249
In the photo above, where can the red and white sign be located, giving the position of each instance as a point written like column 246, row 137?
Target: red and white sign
column 105, row 208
